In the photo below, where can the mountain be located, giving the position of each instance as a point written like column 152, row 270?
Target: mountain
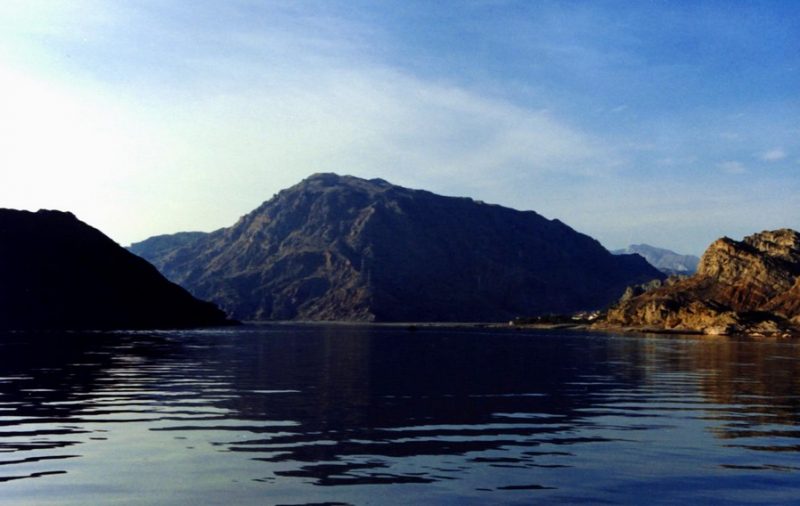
column 662, row 259
column 156, row 245
column 59, row 273
column 749, row 286
column 343, row 248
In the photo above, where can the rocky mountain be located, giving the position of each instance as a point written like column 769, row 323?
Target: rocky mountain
column 662, row 259
column 343, row 248
column 749, row 286
column 59, row 273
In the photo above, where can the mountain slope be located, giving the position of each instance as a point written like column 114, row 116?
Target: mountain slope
column 751, row 285
column 662, row 259
column 156, row 245
column 343, row 248
column 59, row 273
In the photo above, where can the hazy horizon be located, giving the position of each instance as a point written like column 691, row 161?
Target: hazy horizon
column 670, row 123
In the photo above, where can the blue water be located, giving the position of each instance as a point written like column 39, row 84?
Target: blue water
column 290, row 414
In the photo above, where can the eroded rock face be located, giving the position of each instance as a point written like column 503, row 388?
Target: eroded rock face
column 57, row 272
column 751, row 286
column 343, row 248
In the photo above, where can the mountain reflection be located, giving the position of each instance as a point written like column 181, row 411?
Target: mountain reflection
column 341, row 404
column 363, row 395
column 48, row 383
column 479, row 409
column 757, row 382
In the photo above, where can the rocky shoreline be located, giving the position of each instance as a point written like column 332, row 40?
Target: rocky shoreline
column 748, row 287
column 602, row 327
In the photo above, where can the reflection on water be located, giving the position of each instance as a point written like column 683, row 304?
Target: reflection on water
column 374, row 415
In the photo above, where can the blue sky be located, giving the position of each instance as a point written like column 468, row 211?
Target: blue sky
column 671, row 123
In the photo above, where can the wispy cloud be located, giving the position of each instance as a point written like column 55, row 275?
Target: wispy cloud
column 378, row 122
column 236, row 129
column 773, row 155
column 732, row 167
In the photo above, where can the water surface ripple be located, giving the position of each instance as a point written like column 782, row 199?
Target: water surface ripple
column 293, row 414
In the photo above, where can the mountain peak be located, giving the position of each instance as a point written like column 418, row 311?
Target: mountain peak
column 329, row 180
column 323, row 178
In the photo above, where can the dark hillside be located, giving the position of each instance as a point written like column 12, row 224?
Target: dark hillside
column 59, row 273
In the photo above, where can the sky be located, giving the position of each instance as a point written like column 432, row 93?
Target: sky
column 669, row 123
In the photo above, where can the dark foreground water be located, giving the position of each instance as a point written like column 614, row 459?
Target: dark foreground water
column 373, row 415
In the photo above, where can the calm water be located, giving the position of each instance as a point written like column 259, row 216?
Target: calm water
column 373, row 415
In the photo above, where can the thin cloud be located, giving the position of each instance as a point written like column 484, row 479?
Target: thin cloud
column 235, row 130
column 732, row 167
column 773, row 155
column 374, row 120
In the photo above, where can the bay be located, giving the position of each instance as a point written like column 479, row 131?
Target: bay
column 365, row 414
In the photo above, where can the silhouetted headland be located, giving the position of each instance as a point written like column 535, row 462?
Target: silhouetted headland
column 57, row 273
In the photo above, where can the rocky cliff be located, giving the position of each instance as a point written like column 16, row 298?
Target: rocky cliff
column 665, row 260
column 748, row 286
column 343, row 248
column 59, row 273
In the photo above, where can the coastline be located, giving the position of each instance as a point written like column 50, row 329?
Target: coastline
column 412, row 326
column 607, row 328
column 593, row 327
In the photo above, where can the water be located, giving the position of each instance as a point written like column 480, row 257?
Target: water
column 374, row 415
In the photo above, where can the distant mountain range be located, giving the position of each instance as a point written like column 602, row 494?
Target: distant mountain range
column 343, row 248
column 750, row 286
column 59, row 273
column 662, row 259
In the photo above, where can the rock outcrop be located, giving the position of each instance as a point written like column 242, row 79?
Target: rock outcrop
column 57, row 272
column 749, row 286
column 343, row 248
column 666, row 261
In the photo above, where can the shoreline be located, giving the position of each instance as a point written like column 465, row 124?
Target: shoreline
column 604, row 328
column 473, row 325
column 572, row 326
